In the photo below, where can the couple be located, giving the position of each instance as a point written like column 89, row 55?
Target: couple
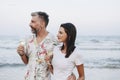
column 43, row 55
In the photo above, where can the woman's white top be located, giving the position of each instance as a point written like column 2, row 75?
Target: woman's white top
column 63, row 67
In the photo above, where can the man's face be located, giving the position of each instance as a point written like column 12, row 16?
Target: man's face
column 35, row 24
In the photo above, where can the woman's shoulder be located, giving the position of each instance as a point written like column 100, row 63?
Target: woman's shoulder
column 56, row 50
column 77, row 52
column 78, row 57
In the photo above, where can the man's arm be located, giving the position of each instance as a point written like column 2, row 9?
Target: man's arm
column 21, row 52
column 24, row 59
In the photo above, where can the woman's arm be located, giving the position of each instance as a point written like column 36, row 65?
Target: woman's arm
column 80, row 69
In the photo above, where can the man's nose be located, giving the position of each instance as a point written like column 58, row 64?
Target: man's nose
column 30, row 25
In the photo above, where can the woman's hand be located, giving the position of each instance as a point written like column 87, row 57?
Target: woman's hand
column 82, row 78
column 48, row 59
column 71, row 77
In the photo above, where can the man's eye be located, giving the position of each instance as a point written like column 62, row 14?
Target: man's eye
column 60, row 32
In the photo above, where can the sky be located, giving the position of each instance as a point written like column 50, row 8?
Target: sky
column 91, row 17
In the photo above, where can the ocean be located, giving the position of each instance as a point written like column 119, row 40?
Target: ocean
column 99, row 53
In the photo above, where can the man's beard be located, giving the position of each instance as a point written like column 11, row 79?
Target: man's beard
column 34, row 31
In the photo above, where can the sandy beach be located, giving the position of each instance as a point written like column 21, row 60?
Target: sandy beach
column 17, row 73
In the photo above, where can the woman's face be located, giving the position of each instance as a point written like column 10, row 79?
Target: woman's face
column 62, row 35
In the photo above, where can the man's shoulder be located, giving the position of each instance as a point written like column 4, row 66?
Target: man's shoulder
column 51, row 35
column 52, row 38
column 29, row 38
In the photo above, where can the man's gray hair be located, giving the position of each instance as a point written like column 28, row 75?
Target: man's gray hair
column 42, row 15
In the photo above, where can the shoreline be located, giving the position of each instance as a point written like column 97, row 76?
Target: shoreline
column 17, row 73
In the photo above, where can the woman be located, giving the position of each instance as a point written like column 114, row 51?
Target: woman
column 66, row 57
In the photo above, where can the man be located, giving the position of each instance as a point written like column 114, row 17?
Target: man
column 37, row 47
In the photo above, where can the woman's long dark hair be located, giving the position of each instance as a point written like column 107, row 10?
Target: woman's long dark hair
column 71, row 36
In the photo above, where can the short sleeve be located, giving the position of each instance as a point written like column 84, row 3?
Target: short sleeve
column 28, row 40
column 78, row 58
column 50, row 43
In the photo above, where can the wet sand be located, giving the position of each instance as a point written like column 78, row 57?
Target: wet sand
column 17, row 73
